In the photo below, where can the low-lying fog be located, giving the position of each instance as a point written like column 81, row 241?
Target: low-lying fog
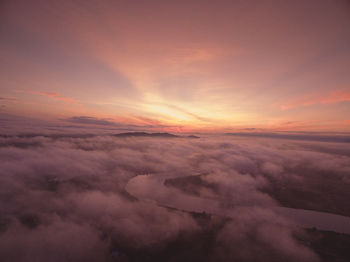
column 63, row 198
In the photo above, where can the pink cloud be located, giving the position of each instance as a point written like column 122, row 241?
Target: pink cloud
column 311, row 99
column 337, row 96
column 55, row 96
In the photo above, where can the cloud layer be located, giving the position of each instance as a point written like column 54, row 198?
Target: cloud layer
column 63, row 198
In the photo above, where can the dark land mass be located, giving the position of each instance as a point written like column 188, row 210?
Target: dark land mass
column 160, row 135
column 330, row 246
column 202, row 245
column 144, row 134
column 54, row 136
column 321, row 191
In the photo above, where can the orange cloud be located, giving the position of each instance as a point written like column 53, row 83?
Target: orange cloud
column 336, row 96
column 57, row 96
column 311, row 99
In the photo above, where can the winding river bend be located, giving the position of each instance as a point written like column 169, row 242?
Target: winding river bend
column 151, row 188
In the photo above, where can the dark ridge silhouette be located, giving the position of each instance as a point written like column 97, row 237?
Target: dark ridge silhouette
column 193, row 136
column 127, row 134
column 144, row 134
column 54, row 136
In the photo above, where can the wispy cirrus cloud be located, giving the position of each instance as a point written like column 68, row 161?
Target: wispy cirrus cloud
column 52, row 95
column 7, row 99
column 119, row 124
column 90, row 120
column 312, row 99
column 57, row 96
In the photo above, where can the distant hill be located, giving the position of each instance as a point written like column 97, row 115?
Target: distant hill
column 193, row 136
column 129, row 134
column 144, row 134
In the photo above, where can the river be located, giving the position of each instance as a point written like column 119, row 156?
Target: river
column 151, row 188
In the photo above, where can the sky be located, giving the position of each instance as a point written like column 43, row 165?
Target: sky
column 178, row 65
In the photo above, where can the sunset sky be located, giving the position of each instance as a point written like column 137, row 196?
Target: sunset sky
column 178, row 65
